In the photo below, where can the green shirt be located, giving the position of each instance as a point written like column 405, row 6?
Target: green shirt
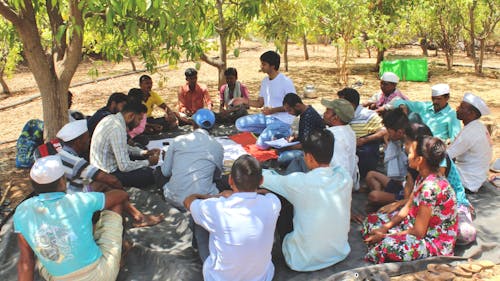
column 443, row 124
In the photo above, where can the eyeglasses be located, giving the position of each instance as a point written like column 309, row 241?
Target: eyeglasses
column 385, row 83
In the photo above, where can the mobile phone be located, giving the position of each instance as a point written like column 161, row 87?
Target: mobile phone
column 165, row 143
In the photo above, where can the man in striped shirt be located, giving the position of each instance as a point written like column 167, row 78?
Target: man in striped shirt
column 110, row 152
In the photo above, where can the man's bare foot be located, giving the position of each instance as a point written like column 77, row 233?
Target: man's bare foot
column 148, row 220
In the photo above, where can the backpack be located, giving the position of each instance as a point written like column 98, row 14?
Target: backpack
column 31, row 137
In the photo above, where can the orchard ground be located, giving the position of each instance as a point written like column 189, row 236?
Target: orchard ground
column 320, row 70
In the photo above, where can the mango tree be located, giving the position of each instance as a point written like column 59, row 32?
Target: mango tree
column 343, row 21
column 480, row 19
column 54, row 65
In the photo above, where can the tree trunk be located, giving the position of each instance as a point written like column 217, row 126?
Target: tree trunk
column 449, row 59
column 52, row 76
column 482, row 47
column 285, row 53
column 468, row 48
column 344, row 71
column 5, row 87
column 56, row 21
column 472, row 35
column 132, row 63
column 337, row 58
column 54, row 100
column 222, row 59
column 304, row 42
column 380, row 58
column 222, row 63
column 131, row 59
column 423, row 45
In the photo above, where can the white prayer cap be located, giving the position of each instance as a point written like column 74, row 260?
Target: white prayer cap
column 440, row 89
column 476, row 102
column 72, row 130
column 390, row 77
column 47, row 169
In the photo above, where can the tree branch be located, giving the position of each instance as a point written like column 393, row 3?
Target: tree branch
column 56, row 20
column 8, row 13
column 211, row 61
column 74, row 51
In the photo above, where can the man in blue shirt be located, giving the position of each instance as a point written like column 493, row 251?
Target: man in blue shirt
column 437, row 115
column 321, row 200
column 57, row 228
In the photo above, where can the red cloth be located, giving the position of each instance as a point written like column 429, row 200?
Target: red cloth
column 247, row 140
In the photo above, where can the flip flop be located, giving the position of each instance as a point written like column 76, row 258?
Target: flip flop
column 149, row 220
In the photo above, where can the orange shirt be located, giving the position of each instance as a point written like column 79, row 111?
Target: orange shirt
column 193, row 100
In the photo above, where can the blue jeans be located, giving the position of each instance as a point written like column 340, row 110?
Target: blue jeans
column 200, row 239
column 286, row 157
column 297, row 165
column 368, row 155
column 269, row 128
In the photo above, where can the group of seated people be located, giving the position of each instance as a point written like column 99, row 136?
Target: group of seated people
column 304, row 205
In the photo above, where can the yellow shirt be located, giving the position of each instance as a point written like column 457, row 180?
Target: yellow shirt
column 154, row 99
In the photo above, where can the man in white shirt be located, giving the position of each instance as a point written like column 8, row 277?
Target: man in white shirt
column 110, row 152
column 241, row 224
column 472, row 148
column 337, row 116
column 274, row 122
column 321, row 201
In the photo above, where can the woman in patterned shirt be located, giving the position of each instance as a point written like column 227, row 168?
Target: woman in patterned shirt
column 427, row 225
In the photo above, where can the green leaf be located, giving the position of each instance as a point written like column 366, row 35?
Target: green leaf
column 109, row 18
column 60, row 32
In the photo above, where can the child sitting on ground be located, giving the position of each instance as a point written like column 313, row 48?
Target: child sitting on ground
column 389, row 188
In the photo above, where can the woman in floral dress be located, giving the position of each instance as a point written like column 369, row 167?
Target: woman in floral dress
column 427, row 225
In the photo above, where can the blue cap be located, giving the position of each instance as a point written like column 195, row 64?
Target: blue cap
column 204, row 118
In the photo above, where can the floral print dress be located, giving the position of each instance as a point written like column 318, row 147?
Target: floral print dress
column 435, row 192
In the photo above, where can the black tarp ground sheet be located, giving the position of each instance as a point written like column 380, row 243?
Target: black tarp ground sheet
column 164, row 252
